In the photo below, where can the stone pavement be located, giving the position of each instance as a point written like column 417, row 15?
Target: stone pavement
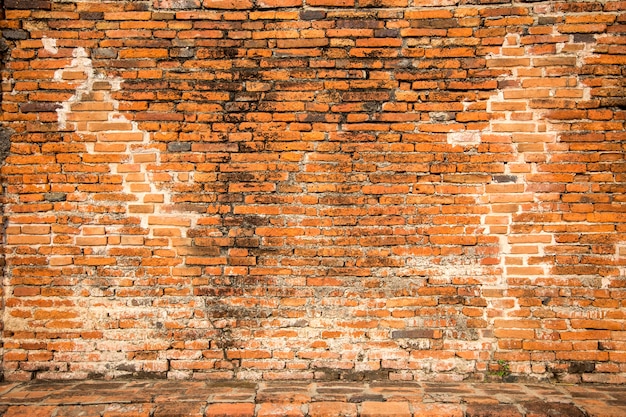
column 150, row 398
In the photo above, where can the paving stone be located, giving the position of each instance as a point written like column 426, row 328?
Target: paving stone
column 398, row 392
column 101, row 392
column 182, row 392
column 25, row 394
column 7, row 386
column 332, row 409
column 437, row 410
column 180, row 409
column 128, row 410
column 587, row 391
column 476, row 399
column 361, row 398
column 385, row 409
column 237, row 391
column 80, row 411
column 283, row 397
column 280, row 410
column 230, row 410
column 551, row 409
column 189, row 399
column 30, row 411
column 233, row 398
column 492, row 410
column 596, row 408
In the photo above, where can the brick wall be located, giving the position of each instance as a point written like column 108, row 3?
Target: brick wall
column 319, row 189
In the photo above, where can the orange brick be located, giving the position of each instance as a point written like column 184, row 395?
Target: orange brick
column 287, row 410
column 279, row 3
column 374, row 409
column 228, row 4
column 230, row 410
column 29, row 410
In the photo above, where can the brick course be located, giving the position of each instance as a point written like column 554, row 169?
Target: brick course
column 329, row 189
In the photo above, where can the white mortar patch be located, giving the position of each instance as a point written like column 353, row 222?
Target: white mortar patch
column 50, row 45
column 465, row 138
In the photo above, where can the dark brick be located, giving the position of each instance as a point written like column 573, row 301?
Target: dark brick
column 107, row 53
column 584, row 38
column 182, row 52
column 28, row 4
column 5, row 143
column 247, row 242
column 504, row 178
column 487, row 2
column 39, row 107
column 413, row 334
column 492, row 410
column 435, row 23
column 360, row 398
column 55, row 197
column 312, row 14
column 15, row 34
column 386, row 33
column 92, row 15
column 179, row 146
column 581, row 367
column 619, row 102
column 547, row 20
column 550, row 409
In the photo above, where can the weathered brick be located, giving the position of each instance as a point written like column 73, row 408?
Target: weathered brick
column 230, row 409
column 483, row 410
column 373, row 409
column 28, row 4
column 327, row 409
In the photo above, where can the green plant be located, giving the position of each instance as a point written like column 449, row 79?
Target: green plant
column 503, row 369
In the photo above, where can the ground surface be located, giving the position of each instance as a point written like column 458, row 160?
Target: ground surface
column 140, row 398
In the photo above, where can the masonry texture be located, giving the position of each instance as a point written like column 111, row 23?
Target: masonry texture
column 314, row 189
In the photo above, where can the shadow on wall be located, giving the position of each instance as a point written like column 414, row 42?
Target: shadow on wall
column 5, row 147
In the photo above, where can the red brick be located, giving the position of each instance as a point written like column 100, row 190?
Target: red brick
column 227, row 4
column 230, row 410
column 330, row 408
column 30, row 411
column 437, row 410
column 128, row 410
column 389, row 409
column 279, row 3
column 275, row 410
column 180, row 410
column 80, row 411
column 331, row 3
column 499, row 410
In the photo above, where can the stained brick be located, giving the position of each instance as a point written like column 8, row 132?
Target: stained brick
column 484, row 410
column 28, row 4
